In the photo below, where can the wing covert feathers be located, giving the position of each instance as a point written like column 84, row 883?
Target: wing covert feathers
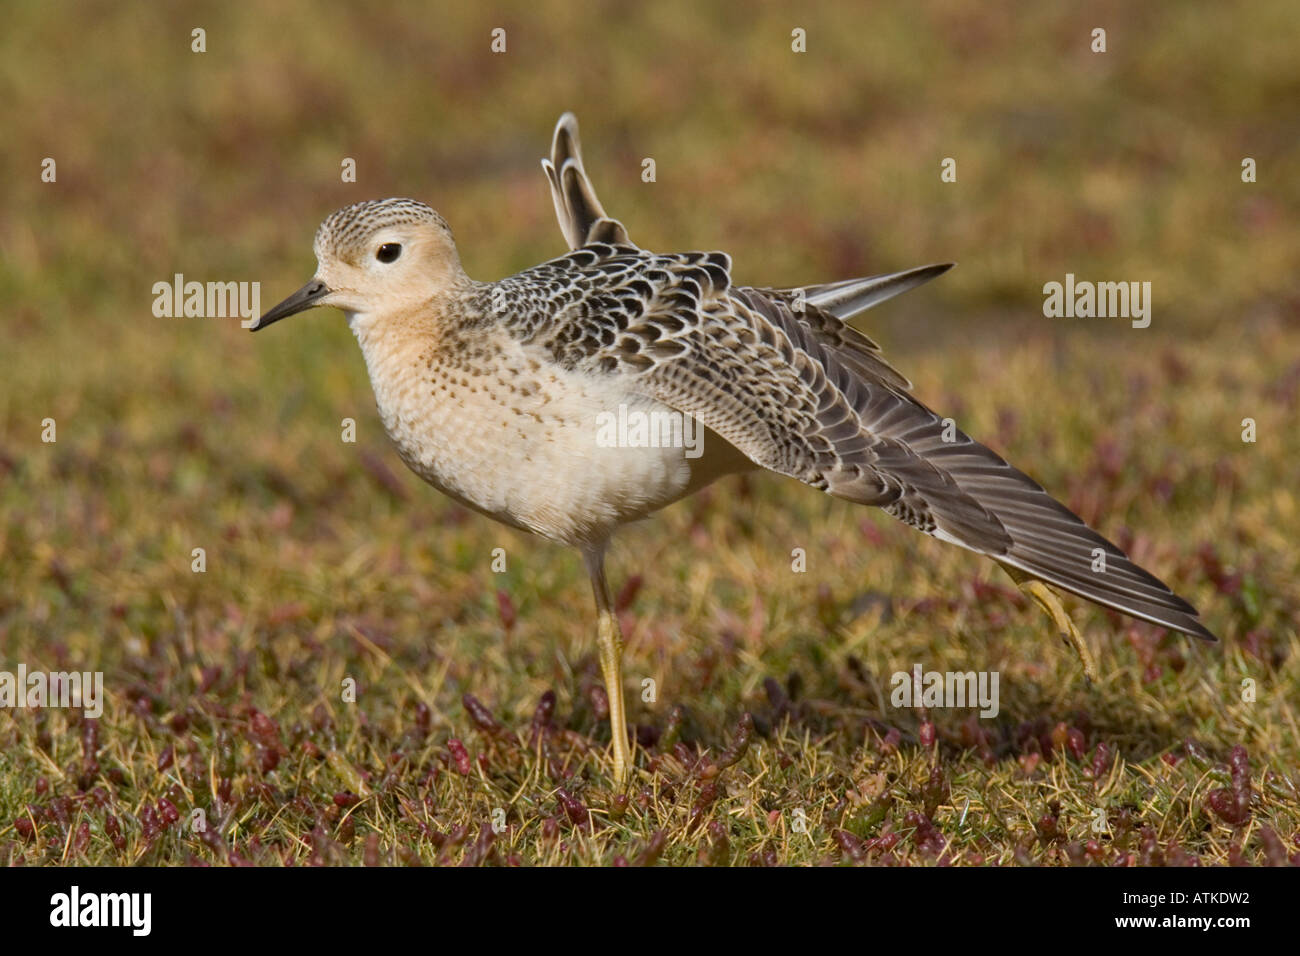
column 781, row 376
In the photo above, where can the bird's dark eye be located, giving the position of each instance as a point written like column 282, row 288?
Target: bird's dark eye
column 388, row 252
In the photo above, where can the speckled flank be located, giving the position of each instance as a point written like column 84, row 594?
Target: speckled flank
column 515, row 437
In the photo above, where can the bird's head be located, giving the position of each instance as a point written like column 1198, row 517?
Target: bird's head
column 375, row 256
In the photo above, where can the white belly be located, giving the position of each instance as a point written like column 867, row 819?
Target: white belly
column 560, row 454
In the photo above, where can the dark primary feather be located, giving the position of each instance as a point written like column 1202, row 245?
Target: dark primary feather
column 804, row 395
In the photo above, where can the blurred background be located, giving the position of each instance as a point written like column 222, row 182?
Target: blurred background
column 180, row 433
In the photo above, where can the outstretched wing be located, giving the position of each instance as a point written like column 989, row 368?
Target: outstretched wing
column 797, row 400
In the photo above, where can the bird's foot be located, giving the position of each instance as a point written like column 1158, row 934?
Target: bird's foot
column 1049, row 602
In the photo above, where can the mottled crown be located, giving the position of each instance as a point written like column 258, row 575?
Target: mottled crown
column 344, row 231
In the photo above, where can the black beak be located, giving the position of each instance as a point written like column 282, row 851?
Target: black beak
column 302, row 300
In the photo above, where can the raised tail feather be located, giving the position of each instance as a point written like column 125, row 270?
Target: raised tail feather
column 582, row 218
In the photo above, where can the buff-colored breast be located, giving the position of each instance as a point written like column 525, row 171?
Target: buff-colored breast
column 521, row 440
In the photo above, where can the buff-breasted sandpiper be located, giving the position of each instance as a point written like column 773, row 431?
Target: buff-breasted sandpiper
column 493, row 392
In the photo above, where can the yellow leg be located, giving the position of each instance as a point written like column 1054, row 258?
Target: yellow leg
column 610, row 640
column 1045, row 599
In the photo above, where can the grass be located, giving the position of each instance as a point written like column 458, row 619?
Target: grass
column 477, row 694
